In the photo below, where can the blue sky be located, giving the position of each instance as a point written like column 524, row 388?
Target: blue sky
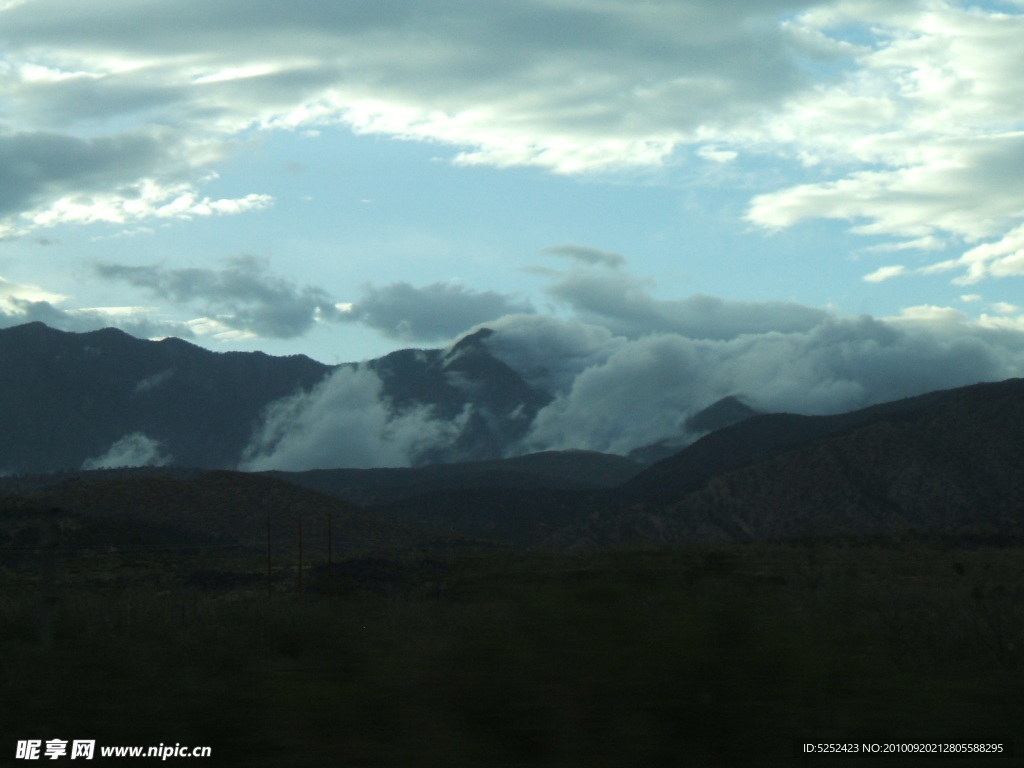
column 345, row 179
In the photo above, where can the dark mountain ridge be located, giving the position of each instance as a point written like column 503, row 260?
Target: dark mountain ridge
column 950, row 461
column 562, row 470
column 947, row 462
column 720, row 414
column 757, row 438
column 70, row 398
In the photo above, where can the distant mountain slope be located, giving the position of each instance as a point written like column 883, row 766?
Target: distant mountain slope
column 463, row 380
column 720, row 414
column 69, row 397
column 235, row 507
column 950, row 461
column 945, row 462
column 756, row 439
column 564, row 470
column 109, row 398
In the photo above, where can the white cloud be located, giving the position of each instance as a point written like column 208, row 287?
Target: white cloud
column 133, row 450
column 344, row 422
column 905, row 117
column 615, row 394
column 241, row 300
column 615, row 391
column 559, row 84
column 885, row 273
column 11, row 293
column 27, row 303
column 717, row 155
column 929, row 313
column 918, row 138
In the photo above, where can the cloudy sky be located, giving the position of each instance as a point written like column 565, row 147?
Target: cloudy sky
column 342, row 179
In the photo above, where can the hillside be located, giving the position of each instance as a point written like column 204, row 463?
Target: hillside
column 949, row 462
column 561, row 470
column 104, row 398
column 70, row 397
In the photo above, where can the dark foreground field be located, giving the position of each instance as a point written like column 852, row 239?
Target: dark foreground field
column 705, row 657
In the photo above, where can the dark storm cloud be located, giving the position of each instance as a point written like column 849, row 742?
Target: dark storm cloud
column 587, row 255
column 137, row 323
column 36, row 168
column 565, row 84
column 623, row 303
column 434, row 312
column 243, row 296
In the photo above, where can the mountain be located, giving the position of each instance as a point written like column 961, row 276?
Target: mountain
column 70, row 397
column 465, row 378
column 562, row 470
column 756, row 439
column 720, row 414
column 948, row 462
column 945, row 463
column 105, row 398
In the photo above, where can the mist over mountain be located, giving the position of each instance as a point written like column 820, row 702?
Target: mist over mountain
column 523, row 384
column 946, row 463
column 410, row 407
column 105, row 398
column 950, row 462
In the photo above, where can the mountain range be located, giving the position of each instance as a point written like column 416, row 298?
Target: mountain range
column 105, row 398
column 947, row 463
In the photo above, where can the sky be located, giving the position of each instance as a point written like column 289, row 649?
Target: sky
column 345, row 179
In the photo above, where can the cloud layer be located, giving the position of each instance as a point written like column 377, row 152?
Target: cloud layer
column 904, row 116
column 133, row 450
column 28, row 303
column 615, row 392
column 436, row 312
column 244, row 296
column 344, row 422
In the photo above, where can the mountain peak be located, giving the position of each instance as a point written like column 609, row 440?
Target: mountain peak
column 471, row 341
column 34, row 328
column 722, row 413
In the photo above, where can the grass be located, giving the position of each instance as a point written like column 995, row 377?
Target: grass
column 644, row 658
